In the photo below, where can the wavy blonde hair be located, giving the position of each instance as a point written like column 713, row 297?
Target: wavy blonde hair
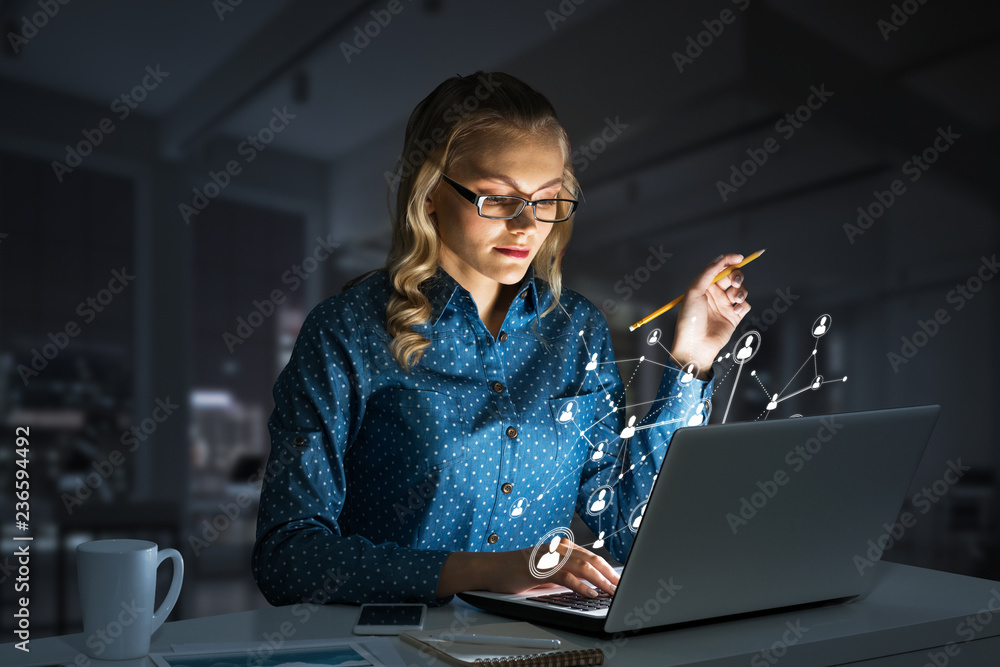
column 437, row 137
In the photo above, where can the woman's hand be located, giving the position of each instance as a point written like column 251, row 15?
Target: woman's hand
column 709, row 314
column 508, row 571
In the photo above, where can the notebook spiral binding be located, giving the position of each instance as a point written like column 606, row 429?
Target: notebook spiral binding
column 593, row 656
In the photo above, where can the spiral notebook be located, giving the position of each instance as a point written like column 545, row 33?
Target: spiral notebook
column 457, row 653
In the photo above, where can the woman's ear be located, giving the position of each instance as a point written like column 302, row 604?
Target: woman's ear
column 430, row 210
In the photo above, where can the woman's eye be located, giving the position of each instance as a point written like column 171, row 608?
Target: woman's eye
column 547, row 203
column 495, row 201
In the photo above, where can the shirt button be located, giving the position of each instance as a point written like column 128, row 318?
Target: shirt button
column 511, row 432
column 492, row 539
column 507, row 487
column 502, row 337
column 523, row 294
column 498, row 387
column 299, row 441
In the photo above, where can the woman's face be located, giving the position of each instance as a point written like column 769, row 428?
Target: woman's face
column 530, row 167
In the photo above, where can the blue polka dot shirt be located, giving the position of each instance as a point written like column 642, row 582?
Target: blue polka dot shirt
column 376, row 475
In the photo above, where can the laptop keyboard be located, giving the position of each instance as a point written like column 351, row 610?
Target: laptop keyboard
column 573, row 600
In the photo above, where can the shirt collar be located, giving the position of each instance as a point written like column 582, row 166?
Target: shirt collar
column 441, row 289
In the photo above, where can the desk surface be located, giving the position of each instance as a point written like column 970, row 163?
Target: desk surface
column 909, row 612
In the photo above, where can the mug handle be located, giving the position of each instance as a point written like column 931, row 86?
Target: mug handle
column 170, row 600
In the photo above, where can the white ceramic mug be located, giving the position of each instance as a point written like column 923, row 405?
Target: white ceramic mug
column 117, row 589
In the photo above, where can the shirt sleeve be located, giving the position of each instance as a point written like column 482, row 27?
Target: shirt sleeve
column 624, row 468
column 301, row 553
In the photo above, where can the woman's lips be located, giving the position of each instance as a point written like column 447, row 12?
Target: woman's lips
column 513, row 252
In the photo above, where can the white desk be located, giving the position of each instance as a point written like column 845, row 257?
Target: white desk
column 911, row 612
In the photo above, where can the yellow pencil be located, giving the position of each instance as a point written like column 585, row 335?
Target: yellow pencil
column 676, row 301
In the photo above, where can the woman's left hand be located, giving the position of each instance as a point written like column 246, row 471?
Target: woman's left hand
column 709, row 314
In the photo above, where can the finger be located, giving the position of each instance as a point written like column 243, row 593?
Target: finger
column 598, row 578
column 714, row 268
column 596, row 570
column 725, row 304
column 604, row 568
column 734, row 279
column 573, row 583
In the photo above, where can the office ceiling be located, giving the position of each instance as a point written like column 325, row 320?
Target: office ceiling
column 228, row 68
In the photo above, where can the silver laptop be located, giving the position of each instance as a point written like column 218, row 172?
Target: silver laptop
column 748, row 517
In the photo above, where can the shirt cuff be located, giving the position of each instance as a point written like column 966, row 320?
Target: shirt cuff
column 429, row 562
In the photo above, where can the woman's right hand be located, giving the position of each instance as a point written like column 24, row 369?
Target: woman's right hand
column 509, row 571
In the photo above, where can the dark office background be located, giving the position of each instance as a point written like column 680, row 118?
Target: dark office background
column 657, row 121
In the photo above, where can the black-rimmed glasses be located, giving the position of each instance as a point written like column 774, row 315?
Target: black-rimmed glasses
column 504, row 207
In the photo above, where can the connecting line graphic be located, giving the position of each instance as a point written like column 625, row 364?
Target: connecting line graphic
column 736, row 383
column 819, row 329
column 606, row 537
column 812, row 355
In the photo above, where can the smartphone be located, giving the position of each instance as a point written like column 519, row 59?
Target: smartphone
column 390, row 619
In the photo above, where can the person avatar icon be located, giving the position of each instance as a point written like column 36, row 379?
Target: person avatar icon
column 592, row 364
column 600, row 540
column 567, row 413
column 746, row 351
column 773, row 403
column 654, row 337
column 551, row 559
column 638, row 519
column 600, row 504
column 699, row 415
column 821, row 327
column 688, row 373
column 817, row 381
column 598, row 453
column 629, row 430
column 518, row 508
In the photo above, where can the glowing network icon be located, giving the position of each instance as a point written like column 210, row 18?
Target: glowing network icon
column 749, row 344
column 550, row 560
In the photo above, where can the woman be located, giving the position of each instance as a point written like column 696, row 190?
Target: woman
column 442, row 416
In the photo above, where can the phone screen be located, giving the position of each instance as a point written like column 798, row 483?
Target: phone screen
column 390, row 614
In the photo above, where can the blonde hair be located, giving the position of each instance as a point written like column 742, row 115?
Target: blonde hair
column 437, row 137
